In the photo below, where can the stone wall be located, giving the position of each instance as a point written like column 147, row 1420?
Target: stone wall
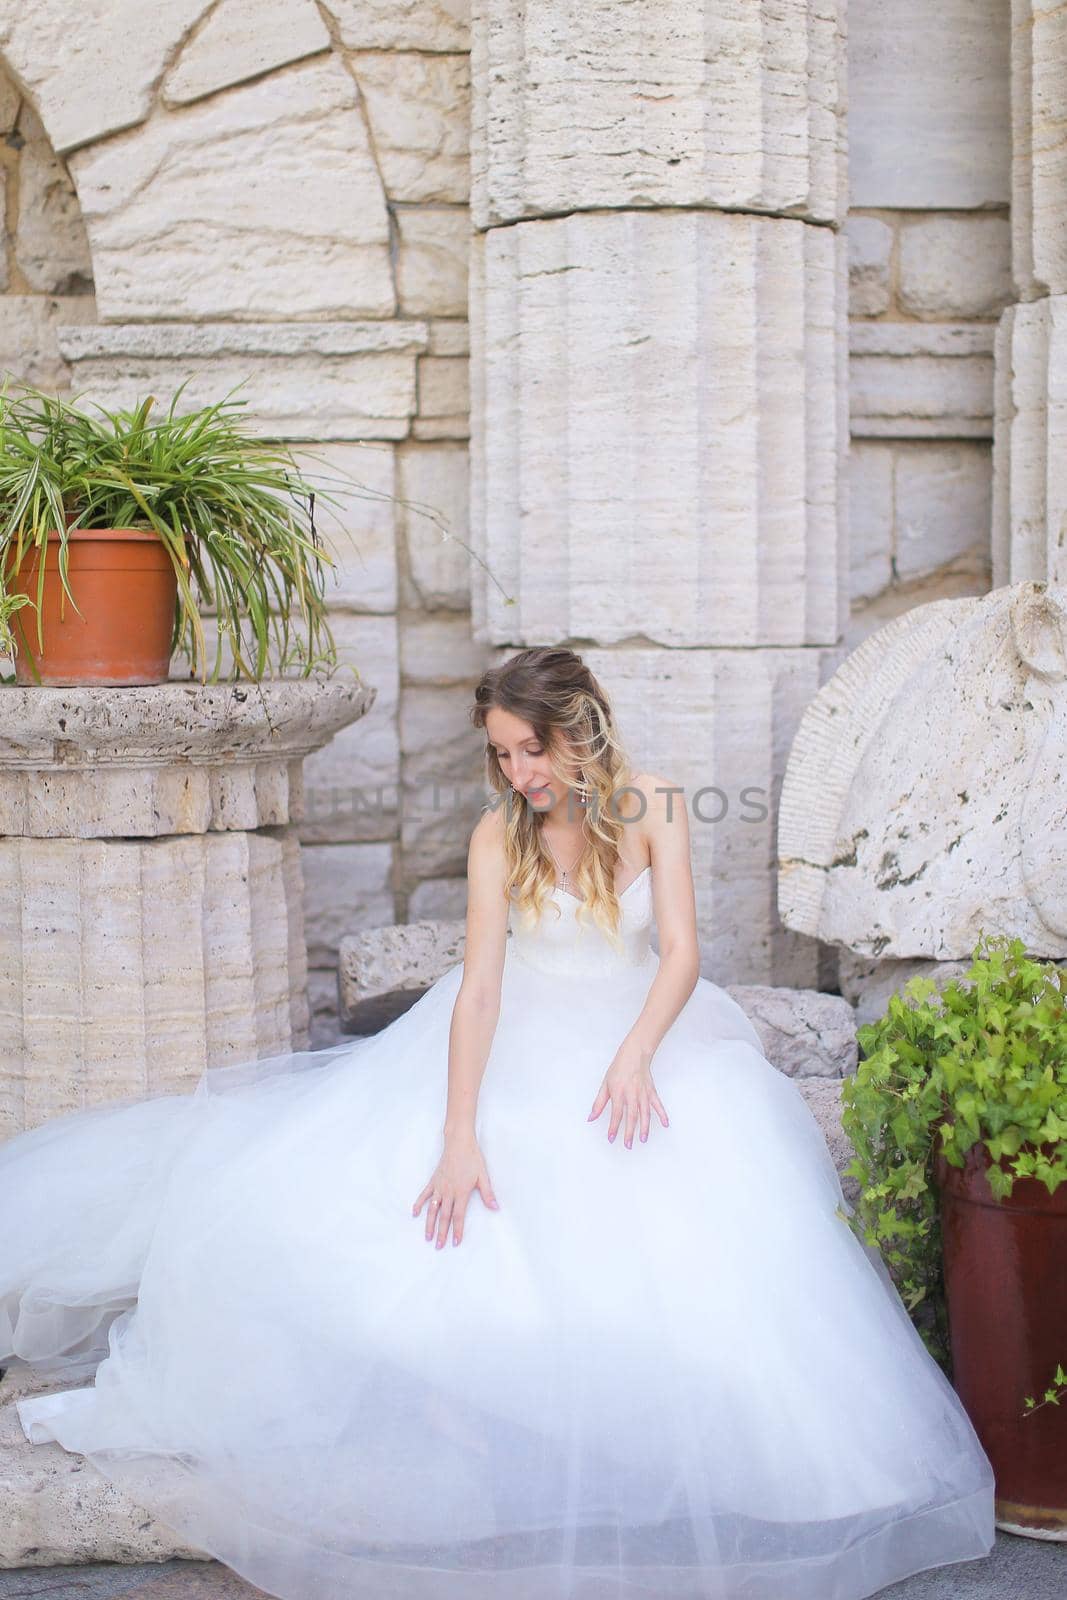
column 930, row 272
column 277, row 193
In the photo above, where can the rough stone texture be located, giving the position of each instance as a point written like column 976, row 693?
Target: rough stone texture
column 10, row 102
column 177, row 758
column 823, row 1096
column 440, row 25
column 942, row 504
column 30, row 330
column 733, row 105
column 58, row 1508
column 174, row 233
column 323, row 1028
column 868, row 983
column 631, row 370
column 919, row 525
column 955, row 266
column 51, row 248
column 361, row 529
column 444, row 398
column 384, row 970
column 443, row 780
column 347, row 886
column 241, row 39
column 433, row 484
column 303, row 380
column 1039, row 161
column 929, row 113
column 803, row 1033
column 438, row 899
column 432, row 263
column 419, row 111
column 923, row 801
column 91, row 68
column 960, row 580
column 921, row 380
column 351, row 784
column 871, row 516
column 145, row 932
column 1030, row 444
column 870, row 250
column 128, row 966
column 450, row 338
column 5, row 276
column 438, row 650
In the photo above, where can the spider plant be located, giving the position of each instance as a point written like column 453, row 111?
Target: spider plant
column 234, row 512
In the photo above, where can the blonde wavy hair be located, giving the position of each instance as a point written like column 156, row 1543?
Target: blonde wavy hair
column 554, row 691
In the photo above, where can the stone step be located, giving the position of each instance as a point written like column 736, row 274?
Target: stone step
column 1017, row 1569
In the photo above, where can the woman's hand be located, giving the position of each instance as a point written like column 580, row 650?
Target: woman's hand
column 628, row 1085
column 460, row 1171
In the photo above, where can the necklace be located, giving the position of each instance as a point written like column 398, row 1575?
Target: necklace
column 565, row 870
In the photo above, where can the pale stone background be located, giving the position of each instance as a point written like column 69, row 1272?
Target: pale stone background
column 277, row 191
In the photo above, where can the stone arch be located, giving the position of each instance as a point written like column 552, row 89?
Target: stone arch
column 225, row 170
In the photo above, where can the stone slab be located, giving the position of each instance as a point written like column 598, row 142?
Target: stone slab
column 439, row 25
column 91, row 68
column 419, row 111
column 929, row 104
column 734, row 105
column 921, row 380
column 242, row 39
column 630, row 370
column 300, row 380
column 173, row 235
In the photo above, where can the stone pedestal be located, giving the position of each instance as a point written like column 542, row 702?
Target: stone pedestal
column 151, row 897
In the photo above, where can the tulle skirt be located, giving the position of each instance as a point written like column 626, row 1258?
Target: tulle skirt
column 670, row 1372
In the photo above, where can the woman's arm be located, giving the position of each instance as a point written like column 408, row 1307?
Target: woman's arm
column 628, row 1082
column 667, row 828
column 477, row 1005
column 462, row 1168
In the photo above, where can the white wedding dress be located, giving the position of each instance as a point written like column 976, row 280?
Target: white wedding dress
column 671, row 1372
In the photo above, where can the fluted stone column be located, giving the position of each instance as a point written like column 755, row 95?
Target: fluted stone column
column 1030, row 422
column 659, row 413
column 151, row 896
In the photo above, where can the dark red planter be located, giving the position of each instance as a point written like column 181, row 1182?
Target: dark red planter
column 1006, row 1288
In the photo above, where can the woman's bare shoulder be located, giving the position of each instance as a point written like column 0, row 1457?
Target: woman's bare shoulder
column 654, row 791
column 485, row 855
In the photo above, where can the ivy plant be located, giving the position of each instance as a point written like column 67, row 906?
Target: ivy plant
column 981, row 1060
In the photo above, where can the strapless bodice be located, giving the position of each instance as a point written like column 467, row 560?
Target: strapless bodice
column 567, row 944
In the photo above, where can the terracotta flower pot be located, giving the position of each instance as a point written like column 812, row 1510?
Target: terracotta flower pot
column 1006, row 1291
column 126, row 591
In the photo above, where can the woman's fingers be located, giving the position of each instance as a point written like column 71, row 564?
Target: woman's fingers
column 617, row 1106
column 417, row 1207
column 646, row 1118
column 633, row 1108
column 599, row 1103
column 457, row 1220
column 444, row 1219
column 432, row 1211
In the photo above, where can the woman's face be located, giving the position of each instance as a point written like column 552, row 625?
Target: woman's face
column 524, row 760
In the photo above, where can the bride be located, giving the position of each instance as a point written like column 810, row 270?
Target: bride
column 660, row 1365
